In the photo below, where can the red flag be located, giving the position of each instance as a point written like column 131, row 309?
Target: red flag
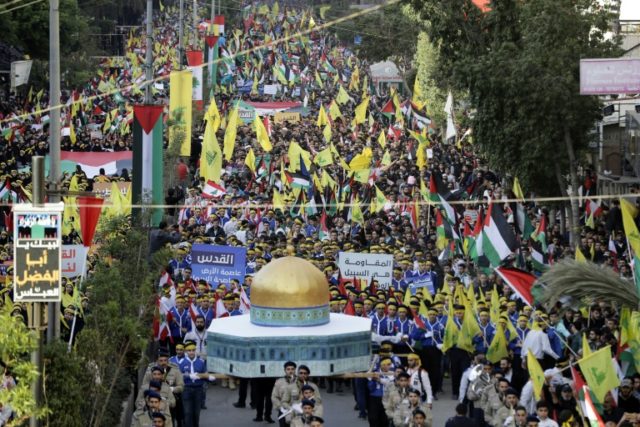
column 356, row 283
column 372, row 288
column 267, row 124
column 520, row 281
column 349, row 309
column 90, row 208
column 418, row 320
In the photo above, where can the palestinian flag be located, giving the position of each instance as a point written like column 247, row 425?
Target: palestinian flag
column 5, row 189
column 439, row 201
column 388, row 109
column 444, row 231
column 498, row 240
column 213, row 191
column 92, row 162
column 525, row 228
column 586, row 400
column 211, row 58
column 323, row 232
column 147, row 157
column 519, row 281
column 539, row 257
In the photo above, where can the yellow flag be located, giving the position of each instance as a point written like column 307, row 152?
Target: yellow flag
column 213, row 115
column 72, row 133
column 517, row 190
column 451, row 330
column 343, row 96
column 361, row 161
column 629, row 213
column 421, row 156
column 537, row 375
column 294, row 156
column 230, row 133
column 494, row 311
column 599, row 372
column 322, row 118
column 326, row 132
column 334, row 111
column 586, row 350
column 417, row 97
column 211, row 155
column 261, row 134
column 362, row 175
column 498, row 347
column 327, row 181
column 579, row 255
column 324, row 158
column 161, row 7
column 381, row 199
column 361, row 111
column 382, row 139
column 250, row 160
column 386, row 159
column 356, row 213
column 468, row 330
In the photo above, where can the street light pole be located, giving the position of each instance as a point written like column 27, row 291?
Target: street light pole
column 53, row 316
column 149, row 54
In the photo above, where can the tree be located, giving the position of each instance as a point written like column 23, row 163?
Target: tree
column 16, row 343
column 107, row 353
column 520, row 64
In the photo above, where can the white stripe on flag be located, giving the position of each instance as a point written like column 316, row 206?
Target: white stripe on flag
column 497, row 241
column 147, row 164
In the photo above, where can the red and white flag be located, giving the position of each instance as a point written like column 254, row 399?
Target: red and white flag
column 520, row 281
column 213, row 191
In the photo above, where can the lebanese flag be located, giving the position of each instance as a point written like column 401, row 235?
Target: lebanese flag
column 165, row 279
column 585, row 400
column 161, row 319
column 221, row 310
column 245, row 304
column 349, row 308
column 193, row 311
column 212, row 190
column 520, row 281
column 418, row 320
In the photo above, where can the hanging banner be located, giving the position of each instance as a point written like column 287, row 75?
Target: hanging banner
column 20, row 71
column 180, row 109
column 37, row 253
column 195, row 60
column 74, row 260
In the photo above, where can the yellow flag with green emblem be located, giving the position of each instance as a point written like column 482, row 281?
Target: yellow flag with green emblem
column 322, row 118
column 334, row 111
column 381, row 199
column 343, row 96
column 536, row 374
column 230, row 133
column 326, row 132
column 598, row 370
column 324, row 158
column 382, row 139
column 498, row 347
column 451, row 330
column 261, row 134
column 630, row 229
column 250, row 160
column 361, row 111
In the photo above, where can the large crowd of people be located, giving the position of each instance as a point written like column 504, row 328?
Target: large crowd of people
column 374, row 174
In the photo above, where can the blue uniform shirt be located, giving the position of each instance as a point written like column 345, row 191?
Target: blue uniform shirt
column 188, row 367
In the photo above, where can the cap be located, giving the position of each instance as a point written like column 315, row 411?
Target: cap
column 307, row 402
column 151, row 393
column 626, row 383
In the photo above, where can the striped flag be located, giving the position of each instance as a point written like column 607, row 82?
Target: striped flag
column 498, row 240
column 520, row 281
column 147, row 157
column 212, row 190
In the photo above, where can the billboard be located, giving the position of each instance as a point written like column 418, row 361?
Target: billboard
column 37, row 253
column 609, row 76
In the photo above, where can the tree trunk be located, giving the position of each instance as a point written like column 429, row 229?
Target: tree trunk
column 563, row 192
column 574, row 218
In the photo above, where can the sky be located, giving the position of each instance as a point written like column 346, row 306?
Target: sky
column 630, row 10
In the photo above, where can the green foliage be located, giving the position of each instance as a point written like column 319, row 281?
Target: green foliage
column 426, row 60
column 63, row 374
column 520, row 65
column 16, row 343
column 108, row 351
column 386, row 33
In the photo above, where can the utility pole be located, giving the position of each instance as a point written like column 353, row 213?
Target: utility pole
column 181, row 33
column 149, row 54
column 39, row 188
column 53, row 316
column 210, row 65
column 195, row 25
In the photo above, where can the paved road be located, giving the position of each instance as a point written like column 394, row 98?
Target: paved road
column 338, row 409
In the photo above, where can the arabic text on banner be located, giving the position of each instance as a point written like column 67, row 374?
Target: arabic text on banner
column 74, row 258
column 362, row 265
column 218, row 264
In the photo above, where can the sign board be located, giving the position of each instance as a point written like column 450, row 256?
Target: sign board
column 609, row 76
column 74, row 259
column 425, row 281
column 286, row 117
column 218, row 264
column 37, row 253
column 357, row 40
column 369, row 266
column 20, row 71
column 104, row 189
column 270, row 89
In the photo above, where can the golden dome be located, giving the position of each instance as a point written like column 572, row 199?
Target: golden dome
column 289, row 282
